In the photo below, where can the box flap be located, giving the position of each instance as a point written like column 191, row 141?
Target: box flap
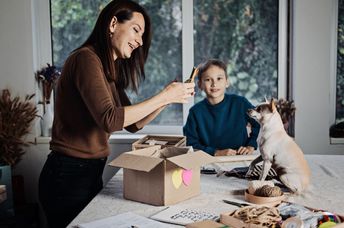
column 141, row 160
column 152, row 151
column 192, row 159
column 174, row 151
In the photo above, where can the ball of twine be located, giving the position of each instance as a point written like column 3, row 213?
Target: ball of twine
column 254, row 185
column 268, row 191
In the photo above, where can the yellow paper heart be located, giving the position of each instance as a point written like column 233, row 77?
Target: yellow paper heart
column 177, row 178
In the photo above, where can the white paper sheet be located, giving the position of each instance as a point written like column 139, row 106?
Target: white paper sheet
column 183, row 216
column 125, row 220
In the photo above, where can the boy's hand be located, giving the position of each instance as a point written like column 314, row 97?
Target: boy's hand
column 225, row 152
column 245, row 150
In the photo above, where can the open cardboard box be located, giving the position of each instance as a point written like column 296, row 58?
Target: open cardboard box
column 227, row 219
column 161, row 140
column 161, row 176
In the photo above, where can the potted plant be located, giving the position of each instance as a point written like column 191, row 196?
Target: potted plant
column 46, row 78
column 16, row 117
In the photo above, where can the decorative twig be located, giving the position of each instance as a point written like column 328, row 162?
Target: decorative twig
column 16, row 116
column 286, row 109
column 47, row 76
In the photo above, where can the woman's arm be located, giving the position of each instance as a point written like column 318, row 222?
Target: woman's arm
column 175, row 92
column 146, row 120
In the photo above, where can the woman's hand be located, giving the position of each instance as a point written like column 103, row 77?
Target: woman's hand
column 225, row 152
column 178, row 92
column 245, row 150
column 175, row 92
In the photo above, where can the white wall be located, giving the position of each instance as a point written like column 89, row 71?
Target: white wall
column 16, row 62
column 313, row 33
column 311, row 60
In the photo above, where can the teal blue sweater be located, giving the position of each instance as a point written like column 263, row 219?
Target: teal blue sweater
column 221, row 126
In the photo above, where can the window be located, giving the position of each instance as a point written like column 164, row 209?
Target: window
column 247, row 34
column 244, row 34
column 340, row 65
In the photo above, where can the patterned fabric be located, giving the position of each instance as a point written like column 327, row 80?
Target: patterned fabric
column 257, row 169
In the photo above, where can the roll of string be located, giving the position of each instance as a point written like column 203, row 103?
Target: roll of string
column 260, row 215
column 268, row 191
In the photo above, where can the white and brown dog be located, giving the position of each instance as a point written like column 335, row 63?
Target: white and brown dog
column 279, row 150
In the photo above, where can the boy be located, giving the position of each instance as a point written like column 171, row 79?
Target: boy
column 217, row 124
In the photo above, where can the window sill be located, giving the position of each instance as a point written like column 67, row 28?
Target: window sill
column 337, row 140
column 114, row 139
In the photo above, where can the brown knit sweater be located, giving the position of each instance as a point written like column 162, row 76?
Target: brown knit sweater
column 87, row 109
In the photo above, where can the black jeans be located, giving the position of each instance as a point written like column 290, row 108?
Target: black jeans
column 66, row 185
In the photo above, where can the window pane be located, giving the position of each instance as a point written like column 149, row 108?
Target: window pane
column 340, row 64
column 73, row 20
column 243, row 34
column 71, row 23
column 164, row 62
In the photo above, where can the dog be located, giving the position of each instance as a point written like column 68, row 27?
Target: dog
column 278, row 150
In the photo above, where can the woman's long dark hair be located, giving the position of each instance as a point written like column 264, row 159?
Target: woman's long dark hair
column 124, row 72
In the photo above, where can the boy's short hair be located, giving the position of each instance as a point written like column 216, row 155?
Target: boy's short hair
column 202, row 67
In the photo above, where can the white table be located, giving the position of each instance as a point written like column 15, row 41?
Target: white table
column 326, row 192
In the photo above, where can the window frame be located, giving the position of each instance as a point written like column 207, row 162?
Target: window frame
column 43, row 52
column 333, row 70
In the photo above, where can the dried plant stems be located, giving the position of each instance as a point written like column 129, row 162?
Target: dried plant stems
column 16, row 116
column 286, row 109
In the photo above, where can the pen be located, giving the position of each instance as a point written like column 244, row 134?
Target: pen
column 236, row 203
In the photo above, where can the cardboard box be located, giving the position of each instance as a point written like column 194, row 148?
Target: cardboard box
column 161, row 176
column 206, row 224
column 229, row 220
column 160, row 140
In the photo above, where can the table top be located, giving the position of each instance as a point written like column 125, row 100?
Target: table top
column 326, row 192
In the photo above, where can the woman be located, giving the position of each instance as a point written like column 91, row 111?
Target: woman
column 91, row 103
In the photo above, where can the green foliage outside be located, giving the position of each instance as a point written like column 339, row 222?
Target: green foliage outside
column 72, row 23
column 340, row 65
column 164, row 62
column 243, row 33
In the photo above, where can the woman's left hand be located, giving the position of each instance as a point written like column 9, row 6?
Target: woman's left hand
column 245, row 150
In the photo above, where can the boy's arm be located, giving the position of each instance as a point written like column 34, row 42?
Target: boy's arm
column 192, row 137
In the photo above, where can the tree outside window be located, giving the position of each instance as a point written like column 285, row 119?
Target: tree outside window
column 340, row 64
column 242, row 33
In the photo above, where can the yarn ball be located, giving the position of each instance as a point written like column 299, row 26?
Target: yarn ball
column 256, row 184
column 268, row 191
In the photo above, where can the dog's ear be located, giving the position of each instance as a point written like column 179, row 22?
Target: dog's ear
column 266, row 100
column 272, row 105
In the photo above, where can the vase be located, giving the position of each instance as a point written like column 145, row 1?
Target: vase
column 47, row 120
column 6, row 207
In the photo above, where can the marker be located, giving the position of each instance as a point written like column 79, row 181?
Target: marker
column 193, row 75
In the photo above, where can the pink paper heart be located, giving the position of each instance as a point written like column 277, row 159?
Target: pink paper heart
column 187, row 176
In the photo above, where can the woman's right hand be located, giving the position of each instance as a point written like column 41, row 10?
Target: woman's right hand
column 178, row 92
